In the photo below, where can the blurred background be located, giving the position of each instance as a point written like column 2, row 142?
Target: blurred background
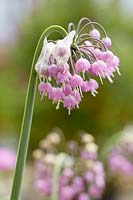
column 21, row 23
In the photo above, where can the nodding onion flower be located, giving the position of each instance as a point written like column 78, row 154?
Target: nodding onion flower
column 67, row 68
column 81, row 175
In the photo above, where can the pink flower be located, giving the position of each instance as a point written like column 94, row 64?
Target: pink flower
column 90, row 86
column 80, row 177
column 63, row 77
column 78, row 184
column 52, row 70
column 56, row 94
column 69, row 63
column 95, row 34
column 7, row 158
column 44, row 87
column 100, row 69
column 44, row 186
column 76, row 80
column 69, row 103
column 95, row 192
column 89, row 176
column 67, row 193
column 107, row 42
column 83, row 196
column 67, row 90
column 82, row 65
column 77, row 96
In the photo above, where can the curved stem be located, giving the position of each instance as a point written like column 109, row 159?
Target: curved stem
column 93, row 23
column 27, row 116
column 71, row 26
column 59, row 163
column 94, row 39
column 81, row 22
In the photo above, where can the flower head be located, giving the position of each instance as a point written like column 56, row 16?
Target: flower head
column 73, row 62
column 80, row 178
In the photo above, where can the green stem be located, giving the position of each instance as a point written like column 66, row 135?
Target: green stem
column 59, row 163
column 27, row 116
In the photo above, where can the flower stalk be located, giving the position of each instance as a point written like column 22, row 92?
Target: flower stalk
column 27, row 116
column 59, row 164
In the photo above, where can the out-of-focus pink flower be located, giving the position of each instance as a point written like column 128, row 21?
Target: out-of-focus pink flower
column 120, row 155
column 7, row 158
column 81, row 177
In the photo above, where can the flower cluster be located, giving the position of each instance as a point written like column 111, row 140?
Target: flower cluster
column 82, row 175
column 7, row 159
column 67, row 68
column 120, row 158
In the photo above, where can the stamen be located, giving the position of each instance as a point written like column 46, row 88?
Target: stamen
column 77, row 106
column 49, row 78
column 80, row 91
column 58, row 105
column 118, row 71
column 69, row 111
column 93, row 94
column 83, row 73
column 100, row 78
column 53, row 102
column 112, row 74
column 109, row 78
column 43, row 94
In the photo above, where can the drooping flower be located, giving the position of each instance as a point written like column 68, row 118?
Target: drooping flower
column 82, row 65
column 73, row 62
column 80, row 178
column 107, row 42
column 95, row 34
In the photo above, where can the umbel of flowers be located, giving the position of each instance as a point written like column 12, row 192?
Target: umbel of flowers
column 81, row 176
column 69, row 67
column 120, row 158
